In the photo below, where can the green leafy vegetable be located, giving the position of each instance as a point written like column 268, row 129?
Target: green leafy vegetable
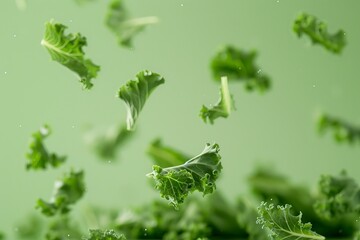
column 318, row 33
column 165, row 156
column 2, row 236
column 240, row 66
column 339, row 196
column 342, row 131
column 283, row 224
column 198, row 173
column 104, row 235
column 67, row 50
column 38, row 156
column 107, row 145
column 135, row 93
column 125, row 28
column 61, row 229
column 222, row 108
column 67, row 191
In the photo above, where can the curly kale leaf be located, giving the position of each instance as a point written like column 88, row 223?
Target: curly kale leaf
column 239, row 65
column 67, row 191
column 67, row 50
column 165, row 156
column 342, row 131
column 318, row 33
column 135, row 93
column 38, row 156
column 282, row 224
column 104, row 235
column 125, row 28
column 339, row 196
column 199, row 173
column 107, row 145
column 222, row 108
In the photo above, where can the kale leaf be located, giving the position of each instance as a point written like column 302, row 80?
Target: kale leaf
column 282, row 224
column 104, row 235
column 125, row 28
column 198, row 173
column 38, row 156
column 165, row 156
column 317, row 31
column 342, row 131
column 222, row 108
column 67, row 191
column 135, row 93
column 67, row 50
column 239, row 65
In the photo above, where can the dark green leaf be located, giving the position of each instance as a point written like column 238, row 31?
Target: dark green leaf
column 124, row 27
column 238, row 65
column 67, row 50
column 38, row 156
column 222, row 108
column 104, row 235
column 67, row 191
column 135, row 93
column 198, row 173
column 317, row 31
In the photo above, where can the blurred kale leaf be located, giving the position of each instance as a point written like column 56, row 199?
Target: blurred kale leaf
column 317, row 31
column 67, row 50
column 96, row 234
column 135, row 93
column 38, row 156
column 106, row 145
column 198, row 173
column 342, row 131
column 283, row 224
column 222, row 108
column 239, row 65
column 165, row 156
column 67, row 191
column 124, row 27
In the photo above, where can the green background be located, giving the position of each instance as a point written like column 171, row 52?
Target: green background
column 276, row 128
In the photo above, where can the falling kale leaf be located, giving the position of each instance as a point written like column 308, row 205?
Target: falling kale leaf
column 135, row 93
column 67, row 50
column 199, row 173
column 239, row 65
column 317, row 31
column 67, row 191
column 38, row 156
column 124, row 27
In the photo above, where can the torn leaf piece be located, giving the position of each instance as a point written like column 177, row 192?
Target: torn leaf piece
column 222, row 108
column 67, row 50
column 317, row 31
column 124, row 27
column 67, row 191
column 199, row 173
column 282, row 224
column 38, row 156
column 135, row 93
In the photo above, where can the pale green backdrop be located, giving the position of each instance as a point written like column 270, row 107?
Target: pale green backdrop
column 276, row 128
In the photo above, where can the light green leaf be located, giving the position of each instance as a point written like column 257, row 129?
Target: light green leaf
column 317, row 31
column 222, row 108
column 239, row 65
column 283, row 224
column 67, row 191
column 67, row 50
column 38, row 156
column 165, row 156
column 123, row 26
column 135, row 93
column 199, row 173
